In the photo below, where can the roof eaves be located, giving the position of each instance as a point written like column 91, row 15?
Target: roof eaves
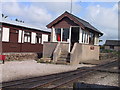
column 21, row 25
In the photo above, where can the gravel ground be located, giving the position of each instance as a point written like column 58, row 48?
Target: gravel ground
column 14, row 70
column 98, row 78
column 101, row 78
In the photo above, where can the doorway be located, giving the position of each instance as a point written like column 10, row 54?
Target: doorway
column 13, row 35
column 74, row 36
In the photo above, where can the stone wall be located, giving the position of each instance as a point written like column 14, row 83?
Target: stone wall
column 20, row 56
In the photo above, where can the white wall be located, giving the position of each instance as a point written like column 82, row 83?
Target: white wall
column 23, row 37
column 5, row 34
column 20, row 36
column 33, row 37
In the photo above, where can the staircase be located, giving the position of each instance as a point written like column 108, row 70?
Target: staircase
column 63, row 58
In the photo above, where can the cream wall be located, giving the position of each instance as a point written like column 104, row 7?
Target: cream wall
column 83, row 52
column 90, row 52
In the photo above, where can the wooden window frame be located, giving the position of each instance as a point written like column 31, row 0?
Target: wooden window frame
column 38, row 37
column 91, row 38
column 28, row 35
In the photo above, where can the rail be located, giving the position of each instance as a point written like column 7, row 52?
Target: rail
column 53, row 81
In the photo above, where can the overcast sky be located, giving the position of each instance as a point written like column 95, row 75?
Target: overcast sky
column 102, row 15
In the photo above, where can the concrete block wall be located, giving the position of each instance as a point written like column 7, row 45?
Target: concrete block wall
column 64, row 46
column 90, row 52
column 76, row 54
column 83, row 52
column 48, row 49
column 61, row 47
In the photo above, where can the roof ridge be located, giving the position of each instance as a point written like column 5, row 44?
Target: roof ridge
column 77, row 17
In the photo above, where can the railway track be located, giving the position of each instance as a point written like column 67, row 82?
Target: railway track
column 53, row 81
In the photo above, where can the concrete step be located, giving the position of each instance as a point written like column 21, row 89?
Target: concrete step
column 64, row 55
column 64, row 52
column 65, row 59
column 61, row 62
column 45, row 58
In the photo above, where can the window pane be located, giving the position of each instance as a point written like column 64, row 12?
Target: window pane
column 29, row 39
column 58, row 34
column 65, row 34
column 25, row 40
column 111, row 47
column 82, row 36
column 91, row 38
column 39, row 40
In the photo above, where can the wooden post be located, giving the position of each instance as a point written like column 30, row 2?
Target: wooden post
column 70, row 39
column 61, row 34
column 80, row 35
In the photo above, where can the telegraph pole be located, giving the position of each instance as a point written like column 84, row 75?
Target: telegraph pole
column 71, row 7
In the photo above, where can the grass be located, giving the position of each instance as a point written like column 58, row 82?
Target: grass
column 109, row 54
column 107, row 51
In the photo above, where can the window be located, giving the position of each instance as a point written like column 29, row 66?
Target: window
column 91, row 38
column 0, row 33
column 111, row 47
column 65, row 34
column 38, row 38
column 83, row 36
column 27, row 36
column 44, row 38
column 49, row 37
column 58, row 34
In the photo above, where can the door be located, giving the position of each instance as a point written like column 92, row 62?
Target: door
column 74, row 36
column 13, row 35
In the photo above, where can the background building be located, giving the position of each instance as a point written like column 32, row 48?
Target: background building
column 112, row 45
column 16, row 37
